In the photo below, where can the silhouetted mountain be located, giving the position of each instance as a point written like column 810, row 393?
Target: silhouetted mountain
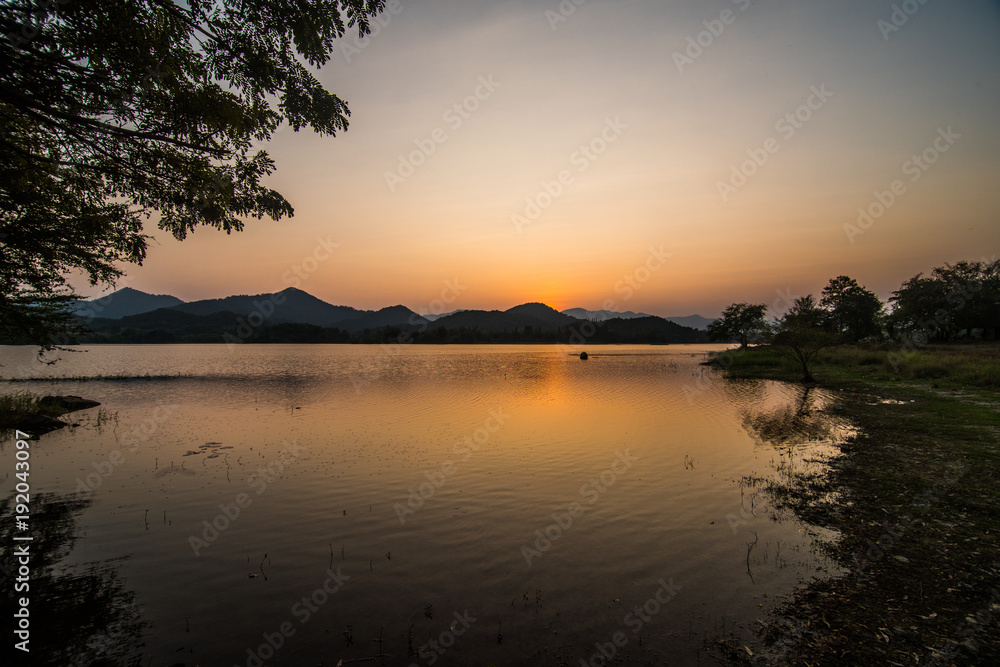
column 538, row 316
column 393, row 316
column 533, row 323
column 294, row 316
column 693, row 321
column 432, row 317
column 649, row 329
column 289, row 305
column 124, row 302
column 601, row 315
column 165, row 325
column 542, row 313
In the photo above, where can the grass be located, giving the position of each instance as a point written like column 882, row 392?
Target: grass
column 946, row 366
column 16, row 407
column 915, row 500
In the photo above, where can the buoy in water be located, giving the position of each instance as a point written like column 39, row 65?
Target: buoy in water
column 583, row 355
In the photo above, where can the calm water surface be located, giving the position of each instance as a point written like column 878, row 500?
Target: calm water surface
column 467, row 504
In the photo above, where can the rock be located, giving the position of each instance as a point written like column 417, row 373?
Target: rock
column 583, row 355
column 65, row 404
column 37, row 425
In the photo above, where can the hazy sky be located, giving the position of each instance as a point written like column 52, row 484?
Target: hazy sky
column 708, row 152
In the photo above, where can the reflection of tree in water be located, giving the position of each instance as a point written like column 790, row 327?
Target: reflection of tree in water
column 806, row 438
column 791, row 424
column 79, row 617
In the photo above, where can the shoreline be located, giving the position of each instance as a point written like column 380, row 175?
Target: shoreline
column 914, row 497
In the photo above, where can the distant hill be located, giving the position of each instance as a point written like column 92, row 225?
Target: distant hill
column 172, row 325
column 124, row 302
column 165, row 325
column 289, row 305
column 530, row 323
column 430, row 317
column 649, row 329
column 539, row 311
column 693, row 321
column 393, row 316
column 535, row 315
column 294, row 316
column 601, row 315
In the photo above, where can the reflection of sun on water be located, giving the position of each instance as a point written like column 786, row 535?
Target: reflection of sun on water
column 371, row 447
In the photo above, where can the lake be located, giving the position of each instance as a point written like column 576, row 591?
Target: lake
column 455, row 505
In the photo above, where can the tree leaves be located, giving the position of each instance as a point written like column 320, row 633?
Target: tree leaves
column 113, row 111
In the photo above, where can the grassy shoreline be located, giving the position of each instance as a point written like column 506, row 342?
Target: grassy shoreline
column 915, row 497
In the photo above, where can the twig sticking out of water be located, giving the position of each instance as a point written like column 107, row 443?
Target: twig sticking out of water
column 750, row 546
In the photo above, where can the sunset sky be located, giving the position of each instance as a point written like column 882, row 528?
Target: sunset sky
column 623, row 122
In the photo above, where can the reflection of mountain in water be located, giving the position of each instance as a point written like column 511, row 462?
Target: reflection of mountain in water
column 80, row 615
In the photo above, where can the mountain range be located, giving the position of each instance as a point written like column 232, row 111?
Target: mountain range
column 294, row 305
column 292, row 315
column 693, row 321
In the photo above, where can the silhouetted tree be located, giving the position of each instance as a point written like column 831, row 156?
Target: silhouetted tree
column 741, row 322
column 953, row 300
column 112, row 111
column 801, row 333
column 853, row 310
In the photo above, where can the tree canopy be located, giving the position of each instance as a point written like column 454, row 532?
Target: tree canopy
column 112, row 112
column 953, row 300
column 741, row 322
column 852, row 310
column 802, row 332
